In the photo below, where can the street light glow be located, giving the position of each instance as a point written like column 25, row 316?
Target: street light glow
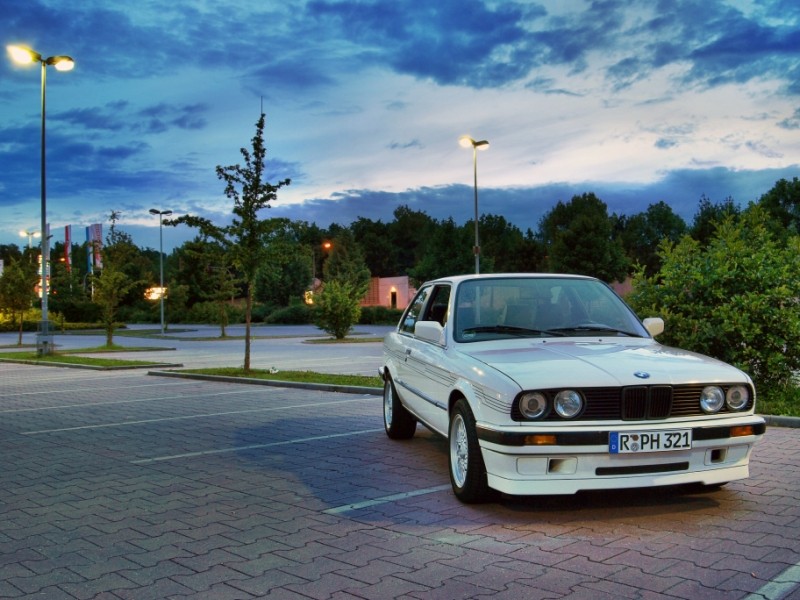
column 467, row 142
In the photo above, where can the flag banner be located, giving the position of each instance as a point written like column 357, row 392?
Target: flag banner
column 68, row 248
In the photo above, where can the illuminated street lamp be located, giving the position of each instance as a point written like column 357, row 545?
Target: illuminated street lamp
column 23, row 56
column 467, row 142
column 161, row 214
column 30, row 235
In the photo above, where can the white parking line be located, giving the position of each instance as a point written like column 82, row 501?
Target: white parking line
column 199, row 416
column 146, row 461
column 779, row 586
column 91, row 389
column 383, row 500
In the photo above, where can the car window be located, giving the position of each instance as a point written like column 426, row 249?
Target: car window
column 540, row 307
column 414, row 310
column 438, row 305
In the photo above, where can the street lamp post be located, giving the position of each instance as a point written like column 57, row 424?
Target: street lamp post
column 30, row 235
column 466, row 141
column 23, row 55
column 161, row 214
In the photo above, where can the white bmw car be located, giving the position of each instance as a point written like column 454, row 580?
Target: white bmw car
column 550, row 384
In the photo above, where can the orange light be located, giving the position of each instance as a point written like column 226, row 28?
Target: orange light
column 540, row 440
column 742, row 430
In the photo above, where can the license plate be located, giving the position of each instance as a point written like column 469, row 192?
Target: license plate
column 629, row 442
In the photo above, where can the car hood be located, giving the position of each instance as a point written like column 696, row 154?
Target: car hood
column 548, row 364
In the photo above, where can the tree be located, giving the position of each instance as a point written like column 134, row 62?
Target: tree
column 380, row 254
column 346, row 264
column 346, row 280
column 448, row 251
column 709, row 215
column 641, row 234
column 112, row 283
column 579, row 239
column 782, row 203
column 410, row 233
column 17, row 290
column 244, row 240
column 336, row 311
column 206, row 276
column 736, row 298
column 286, row 271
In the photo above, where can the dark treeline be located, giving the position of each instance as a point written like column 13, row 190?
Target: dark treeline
column 577, row 236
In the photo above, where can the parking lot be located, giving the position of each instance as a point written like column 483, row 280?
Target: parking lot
column 128, row 485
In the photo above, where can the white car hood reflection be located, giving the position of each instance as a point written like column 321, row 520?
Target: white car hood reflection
column 559, row 364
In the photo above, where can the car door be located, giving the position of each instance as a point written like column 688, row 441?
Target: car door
column 426, row 374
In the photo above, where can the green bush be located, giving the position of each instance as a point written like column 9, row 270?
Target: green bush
column 296, row 314
column 208, row 313
column 338, row 308
column 736, row 299
column 379, row 315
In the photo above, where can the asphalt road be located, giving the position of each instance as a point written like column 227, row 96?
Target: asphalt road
column 128, row 485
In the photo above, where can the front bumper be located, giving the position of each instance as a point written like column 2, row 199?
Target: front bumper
column 572, row 460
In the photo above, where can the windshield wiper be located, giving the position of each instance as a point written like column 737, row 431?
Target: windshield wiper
column 594, row 327
column 522, row 331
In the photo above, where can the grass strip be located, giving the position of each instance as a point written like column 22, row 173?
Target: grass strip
column 68, row 359
column 295, row 376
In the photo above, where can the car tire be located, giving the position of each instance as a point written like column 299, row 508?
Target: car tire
column 397, row 421
column 467, row 469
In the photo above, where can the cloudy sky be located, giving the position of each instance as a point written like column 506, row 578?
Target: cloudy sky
column 636, row 101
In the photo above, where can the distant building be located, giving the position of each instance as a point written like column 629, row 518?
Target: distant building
column 391, row 292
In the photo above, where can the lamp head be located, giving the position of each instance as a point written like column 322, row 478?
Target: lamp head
column 23, row 55
column 61, row 63
column 467, row 142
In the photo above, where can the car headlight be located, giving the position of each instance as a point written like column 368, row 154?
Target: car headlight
column 533, row 405
column 712, row 398
column 737, row 397
column 568, row 403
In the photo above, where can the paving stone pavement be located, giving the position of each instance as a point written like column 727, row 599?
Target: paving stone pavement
column 123, row 485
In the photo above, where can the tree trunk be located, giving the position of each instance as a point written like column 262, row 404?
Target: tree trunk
column 247, row 311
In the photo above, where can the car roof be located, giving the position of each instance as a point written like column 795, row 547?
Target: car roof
column 457, row 279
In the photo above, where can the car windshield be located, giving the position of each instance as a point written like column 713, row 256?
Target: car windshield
column 513, row 307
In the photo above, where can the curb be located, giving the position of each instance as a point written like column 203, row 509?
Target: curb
column 319, row 387
column 778, row 421
column 49, row 363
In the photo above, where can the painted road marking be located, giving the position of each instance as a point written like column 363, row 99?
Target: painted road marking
column 384, row 500
column 93, row 389
column 779, row 586
column 147, row 461
column 199, row 416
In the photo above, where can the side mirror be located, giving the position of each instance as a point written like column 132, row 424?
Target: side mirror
column 654, row 325
column 430, row 331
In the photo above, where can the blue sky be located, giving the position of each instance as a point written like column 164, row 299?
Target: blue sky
column 636, row 101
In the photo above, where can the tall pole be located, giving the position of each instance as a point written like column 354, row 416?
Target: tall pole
column 466, row 141
column 45, row 238
column 161, row 214
column 477, row 248
column 24, row 55
column 161, row 265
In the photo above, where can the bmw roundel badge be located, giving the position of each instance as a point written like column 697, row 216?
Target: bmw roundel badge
column 642, row 374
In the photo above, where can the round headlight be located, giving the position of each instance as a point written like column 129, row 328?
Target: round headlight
column 533, row 405
column 737, row 397
column 568, row 403
column 711, row 399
